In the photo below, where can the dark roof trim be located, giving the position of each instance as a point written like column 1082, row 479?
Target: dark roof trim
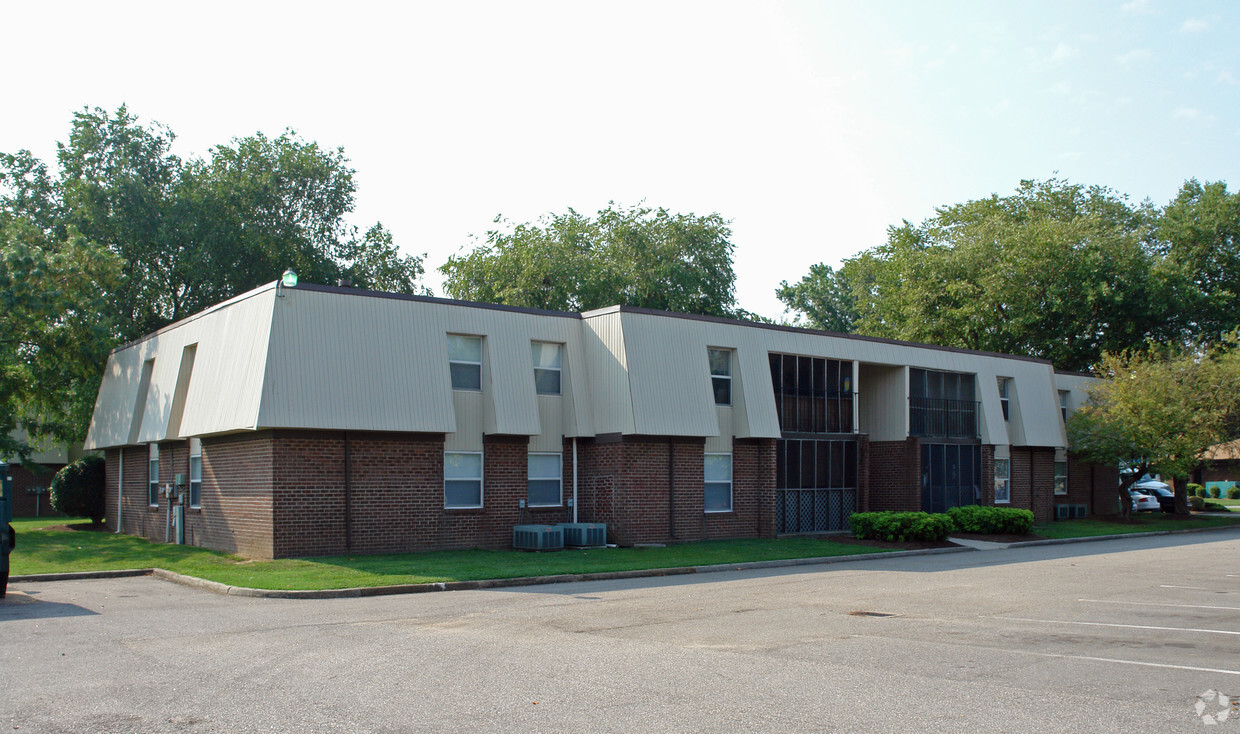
column 431, row 299
column 1073, row 373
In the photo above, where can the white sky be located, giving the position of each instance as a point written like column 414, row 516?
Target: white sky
column 812, row 126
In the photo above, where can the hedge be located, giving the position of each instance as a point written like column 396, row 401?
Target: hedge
column 1233, row 493
column 991, row 520
column 900, row 527
column 77, row 489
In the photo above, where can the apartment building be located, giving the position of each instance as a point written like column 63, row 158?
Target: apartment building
column 315, row 420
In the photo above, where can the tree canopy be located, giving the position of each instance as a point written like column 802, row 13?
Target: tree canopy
column 1055, row 270
column 125, row 237
column 1158, row 411
column 635, row 256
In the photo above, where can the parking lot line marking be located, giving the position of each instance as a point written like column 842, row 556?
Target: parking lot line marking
column 1168, row 586
column 1125, row 626
column 1156, row 604
column 1127, row 662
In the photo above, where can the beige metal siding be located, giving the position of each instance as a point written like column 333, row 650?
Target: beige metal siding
column 512, row 408
column 883, row 401
column 467, row 408
column 605, row 357
column 669, row 376
column 355, row 363
column 722, row 444
column 551, row 417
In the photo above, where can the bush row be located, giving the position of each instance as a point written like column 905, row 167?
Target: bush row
column 901, row 527
column 1196, row 490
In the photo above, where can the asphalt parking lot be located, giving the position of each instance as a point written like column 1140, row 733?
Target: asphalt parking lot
column 1115, row 635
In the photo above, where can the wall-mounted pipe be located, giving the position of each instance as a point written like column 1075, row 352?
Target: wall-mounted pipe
column 120, row 490
column 574, row 479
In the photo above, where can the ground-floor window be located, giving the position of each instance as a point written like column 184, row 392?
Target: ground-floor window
column 1061, row 472
column 195, row 472
column 1003, row 481
column 718, row 485
column 951, row 475
column 545, row 480
column 152, row 476
column 462, row 479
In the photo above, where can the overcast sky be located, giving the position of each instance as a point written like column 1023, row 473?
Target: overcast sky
column 811, row 126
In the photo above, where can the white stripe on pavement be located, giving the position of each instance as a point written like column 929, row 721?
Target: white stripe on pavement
column 1125, row 626
column 1156, row 604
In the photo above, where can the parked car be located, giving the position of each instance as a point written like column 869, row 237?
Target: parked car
column 1160, row 491
column 1142, row 502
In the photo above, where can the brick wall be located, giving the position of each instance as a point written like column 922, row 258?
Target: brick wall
column 25, row 476
column 895, row 475
column 1033, row 481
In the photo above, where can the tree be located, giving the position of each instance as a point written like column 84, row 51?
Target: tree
column 634, row 256
column 55, row 332
column 1157, row 411
column 128, row 237
column 1199, row 236
column 1056, row 270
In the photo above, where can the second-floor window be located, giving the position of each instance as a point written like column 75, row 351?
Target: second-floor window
column 1005, row 390
column 812, row 394
column 721, row 375
column 941, row 404
column 465, row 361
column 548, row 359
column 1063, row 405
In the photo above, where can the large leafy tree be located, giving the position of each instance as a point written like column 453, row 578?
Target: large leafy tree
column 1199, row 238
column 1055, row 270
column 635, row 256
column 125, row 237
column 1158, row 411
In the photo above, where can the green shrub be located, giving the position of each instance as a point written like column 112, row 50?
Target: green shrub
column 991, row 520
column 900, row 527
column 1233, row 493
column 1214, row 507
column 1196, row 503
column 1214, row 492
column 1195, row 490
column 77, row 489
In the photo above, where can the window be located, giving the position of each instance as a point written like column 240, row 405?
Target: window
column 465, row 361
column 721, row 375
column 1003, row 481
column 718, row 486
column 1004, row 396
column 1061, row 477
column 547, row 367
column 951, row 476
column 195, row 472
column 462, row 479
column 545, row 485
column 152, row 476
column 1063, row 405
column 812, row 394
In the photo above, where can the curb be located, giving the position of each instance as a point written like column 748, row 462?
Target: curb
column 216, row 587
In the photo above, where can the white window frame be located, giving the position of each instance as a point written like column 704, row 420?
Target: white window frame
column 1003, row 482
column 1063, row 404
column 1061, row 480
column 559, row 479
column 152, row 482
column 715, row 376
column 706, row 484
column 446, row 479
column 1005, row 397
column 558, row 369
column 468, row 362
column 195, row 472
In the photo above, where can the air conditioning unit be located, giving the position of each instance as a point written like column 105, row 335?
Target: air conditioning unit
column 584, row 534
column 1064, row 512
column 537, row 537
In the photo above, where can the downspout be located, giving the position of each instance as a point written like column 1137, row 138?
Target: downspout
column 348, row 497
column 120, row 490
column 671, row 488
column 574, row 479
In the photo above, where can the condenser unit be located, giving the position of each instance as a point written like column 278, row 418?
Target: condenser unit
column 537, row 537
column 584, row 534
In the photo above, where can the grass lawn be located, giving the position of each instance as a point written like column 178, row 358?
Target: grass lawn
column 1234, row 504
column 1143, row 523
column 52, row 551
